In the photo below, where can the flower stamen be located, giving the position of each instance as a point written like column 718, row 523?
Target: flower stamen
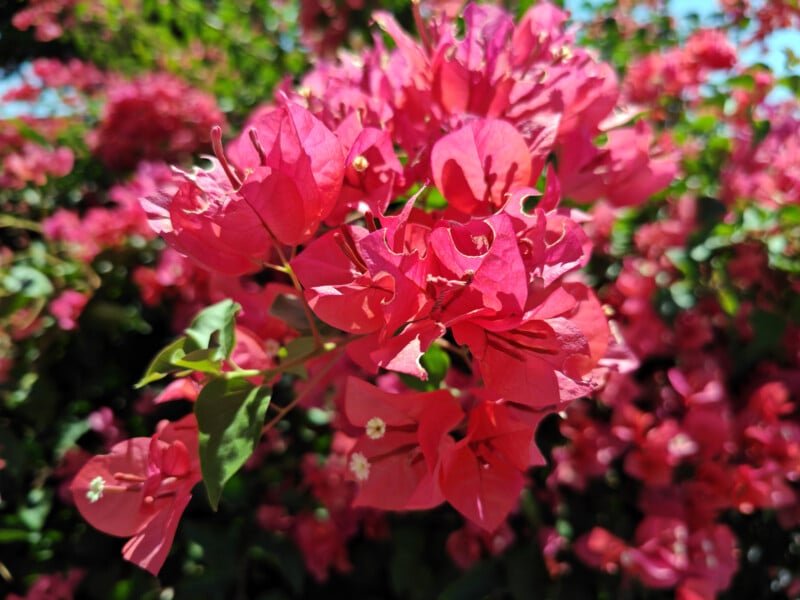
column 376, row 428
column 359, row 466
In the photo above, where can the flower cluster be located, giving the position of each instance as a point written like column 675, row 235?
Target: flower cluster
column 47, row 17
column 679, row 71
column 140, row 489
column 153, row 117
column 25, row 161
column 398, row 191
column 547, row 302
column 701, row 429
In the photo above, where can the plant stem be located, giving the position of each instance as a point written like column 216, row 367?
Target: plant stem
column 311, row 385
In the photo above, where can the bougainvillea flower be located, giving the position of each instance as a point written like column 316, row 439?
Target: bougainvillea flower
column 545, row 360
column 600, row 549
column 373, row 172
column 551, row 245
column 540, row 29
column 52, row 586
column 476, row 270
column 140, row 489
column 475, row 166
column 470, row 76
column 208, row 221
column 67, row 308
column 156, row 116
column 625, row 172
column 338, row 286
column 295, row 167
column 184, row 388
column 482, row 475
column 397, row 457
column 713, row 560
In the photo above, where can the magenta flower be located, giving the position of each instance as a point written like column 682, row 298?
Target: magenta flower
column 140, row 489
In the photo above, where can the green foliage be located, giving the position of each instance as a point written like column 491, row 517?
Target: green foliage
column 230, row 415
column 236, row 50
column 207, row 342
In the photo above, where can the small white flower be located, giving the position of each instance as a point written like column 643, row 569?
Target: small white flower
column 360, row 163
column 359, row 466
column 376, row 428
column 96, row 486
column 682, row 445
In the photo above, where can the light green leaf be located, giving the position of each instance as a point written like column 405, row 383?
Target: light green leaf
column 28, row 282
column 436, row 362
column 208, row 341
column 200, row 360
column 163, row 363
column 213, row 327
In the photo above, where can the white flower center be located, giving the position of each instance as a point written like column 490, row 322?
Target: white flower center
column 96, row 486
column 359, row 466
column 376, row 428
column 360, row 163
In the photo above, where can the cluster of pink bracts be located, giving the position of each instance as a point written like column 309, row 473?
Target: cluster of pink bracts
column 414, row 196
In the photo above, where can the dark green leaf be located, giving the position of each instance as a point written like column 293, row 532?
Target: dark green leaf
column 295, row 351
column 230, row 415
column 475, row 584
column 289, row 309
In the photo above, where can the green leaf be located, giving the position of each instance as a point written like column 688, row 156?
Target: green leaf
column 789, row 215
column 34, row 515
column 27, row 282
column 230, row 415
column 434, row 199
column 728, row 300
column 68, row 435
column 200, row 360
column 477, row 583
column 293, row 352
column 164, row 363
column 8, row 536
column 289, row 309
column 213, row 327
column 792, row 82
column 745, row 81
column 209, row 340
column 436, row 362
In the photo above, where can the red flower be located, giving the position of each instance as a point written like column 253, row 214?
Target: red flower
column 140, row 489
column 482, row 475
column 297, row 171
column 398, row 456
column 476, row 166
column 208, row 221
column 625, row 172
column 67, row 308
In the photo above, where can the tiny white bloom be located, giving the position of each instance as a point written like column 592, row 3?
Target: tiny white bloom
column 96, row 486
column 359, row 466
column 376, row 428
column 682, row 445
column 360, row 163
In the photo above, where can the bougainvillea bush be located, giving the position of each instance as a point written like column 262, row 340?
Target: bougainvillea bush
column 493, row 305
